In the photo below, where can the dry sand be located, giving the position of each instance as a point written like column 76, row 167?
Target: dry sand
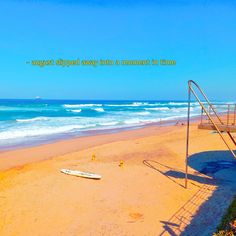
column 144, row 197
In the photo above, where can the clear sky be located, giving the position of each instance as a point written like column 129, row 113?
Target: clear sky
column 199, row 36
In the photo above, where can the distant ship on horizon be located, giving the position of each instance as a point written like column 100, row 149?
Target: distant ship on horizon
column 38, row 98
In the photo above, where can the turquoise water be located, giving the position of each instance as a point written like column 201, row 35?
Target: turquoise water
column 30, row 121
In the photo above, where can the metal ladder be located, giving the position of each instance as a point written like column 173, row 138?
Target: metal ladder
column 192, row 91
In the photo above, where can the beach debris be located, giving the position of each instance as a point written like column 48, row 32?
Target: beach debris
column 121, row 164
column 179, row 123
column 93, row 157
column 136, row 215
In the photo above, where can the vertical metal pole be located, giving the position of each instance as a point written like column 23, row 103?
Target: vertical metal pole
column 234, row 113
column 201, row 116
column 209, row 111
column 228, row 114
column 187, row 143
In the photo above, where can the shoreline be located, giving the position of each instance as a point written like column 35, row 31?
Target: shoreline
column 22, row 155
column 88, row 133
column 25, row 155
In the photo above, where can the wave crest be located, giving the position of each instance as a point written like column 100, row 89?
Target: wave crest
column 99, row 109
column 158, row 109
column 32, row 119
column 81, row 105
column 76, row 111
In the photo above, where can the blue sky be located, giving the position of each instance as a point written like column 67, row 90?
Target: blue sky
column 199, row 36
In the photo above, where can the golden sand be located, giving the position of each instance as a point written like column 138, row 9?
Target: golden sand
column 135, row 198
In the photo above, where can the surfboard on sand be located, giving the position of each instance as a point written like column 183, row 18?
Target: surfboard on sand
column 81, row 174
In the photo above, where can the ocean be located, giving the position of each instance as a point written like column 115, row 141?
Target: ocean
column 29, row 122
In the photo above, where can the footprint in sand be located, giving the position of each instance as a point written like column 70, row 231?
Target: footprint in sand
column 136, row 215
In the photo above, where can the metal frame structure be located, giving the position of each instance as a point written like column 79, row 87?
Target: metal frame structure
column 192, row 91
column 228, row 110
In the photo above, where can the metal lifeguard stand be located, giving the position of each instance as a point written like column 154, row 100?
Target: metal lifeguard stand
column 214, row 121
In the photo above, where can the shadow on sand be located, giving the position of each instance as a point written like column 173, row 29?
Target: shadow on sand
column 215, row 171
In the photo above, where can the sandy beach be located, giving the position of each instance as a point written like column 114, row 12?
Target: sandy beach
column 146, row 196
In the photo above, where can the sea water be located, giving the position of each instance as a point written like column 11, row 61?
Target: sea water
column 27, row 122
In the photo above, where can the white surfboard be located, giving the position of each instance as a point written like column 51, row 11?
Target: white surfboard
column 81, row 174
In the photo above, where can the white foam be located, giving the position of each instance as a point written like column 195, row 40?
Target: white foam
column 99, row 109
column 76, row 111
column 181, row 109
column 134, row 104
column 140, row 103
column 81, row 105
column 158, row 109
column 118, row 105
column 177, row 103
column 32, row 119
column 39, row 131
column 112, row 123
column 132, row 121
column 143, row 113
